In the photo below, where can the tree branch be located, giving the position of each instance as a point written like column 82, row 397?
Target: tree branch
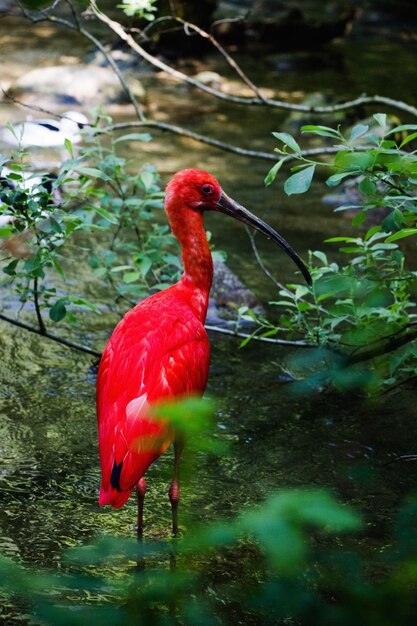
column 279, row 342
column 61, row 340
column 230, row 60
column 391, row 343
column 179, row 130
column 42, row 327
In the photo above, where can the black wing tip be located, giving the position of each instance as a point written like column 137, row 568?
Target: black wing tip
column 115, row 475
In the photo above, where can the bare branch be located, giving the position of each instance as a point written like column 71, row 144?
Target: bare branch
column 61, row 340
column 266, row 271
column 280, row 342
column 227, row 56
column 385, row 346
column 42, row 327
column 41, row 13
column 262, row 265
column 179, row 130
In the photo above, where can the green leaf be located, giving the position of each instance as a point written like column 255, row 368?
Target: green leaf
column 408, row 139
column 358, row 131
column 10, row 269
column 367, row 187
column 335, row 179
column 270, row 177
column 134, row 137
column 347, row 207
column 359, row 218
column 93, row 172
column 131, row 277
column 106, row 214
column 300, row 181
column 321, row 256
column 147, row 179
column 399, row 129
column 6, row 231
column 353, row 161
column 405, row 232
column 371, row 232
column 398, row 218
column 58, row 311
column 57, row 265
column 323, row 131
column 145, row 265
column 16, row 177
column 381, row 118
column 289, row 141
column 338, row 239
column 68, row 147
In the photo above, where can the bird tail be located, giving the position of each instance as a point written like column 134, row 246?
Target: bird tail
column 108, row 495
column 125, row 458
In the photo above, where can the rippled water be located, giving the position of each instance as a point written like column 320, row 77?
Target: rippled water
column 49, row 471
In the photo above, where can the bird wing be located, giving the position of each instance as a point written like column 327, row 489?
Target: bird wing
column 159, row 350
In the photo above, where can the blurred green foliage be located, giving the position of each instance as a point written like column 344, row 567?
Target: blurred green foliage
column 295, row 568
column 299, row 557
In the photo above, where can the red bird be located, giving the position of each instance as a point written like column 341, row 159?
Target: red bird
column 160, row 349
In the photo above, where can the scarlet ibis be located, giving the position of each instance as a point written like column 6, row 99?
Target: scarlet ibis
column 160, row 349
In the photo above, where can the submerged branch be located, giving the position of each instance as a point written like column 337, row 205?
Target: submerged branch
column 61, row 340
column 385, row 346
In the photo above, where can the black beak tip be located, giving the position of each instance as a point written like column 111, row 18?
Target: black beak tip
column 307, row 276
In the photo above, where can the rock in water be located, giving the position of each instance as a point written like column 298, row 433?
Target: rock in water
column 73, row 85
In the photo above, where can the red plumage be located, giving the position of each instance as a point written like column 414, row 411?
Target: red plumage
column 159, row 350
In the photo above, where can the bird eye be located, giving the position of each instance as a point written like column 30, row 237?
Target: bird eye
column 206, row 189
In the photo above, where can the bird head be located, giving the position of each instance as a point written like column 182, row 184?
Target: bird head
column 195, row 189
column 199, row 191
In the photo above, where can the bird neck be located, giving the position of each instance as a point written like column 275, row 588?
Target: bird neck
column 188, row 228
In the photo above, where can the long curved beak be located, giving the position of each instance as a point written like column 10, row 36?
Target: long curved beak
column 229, row 207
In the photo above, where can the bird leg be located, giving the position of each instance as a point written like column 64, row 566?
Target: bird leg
column 174, row 490
column 140, row 494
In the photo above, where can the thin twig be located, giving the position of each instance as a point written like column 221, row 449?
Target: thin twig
column 74, row 13
column 42, row 327
column 280, row 342
column 266, row 271
column 61, row 340
column 230, row 60
column 262, row 265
